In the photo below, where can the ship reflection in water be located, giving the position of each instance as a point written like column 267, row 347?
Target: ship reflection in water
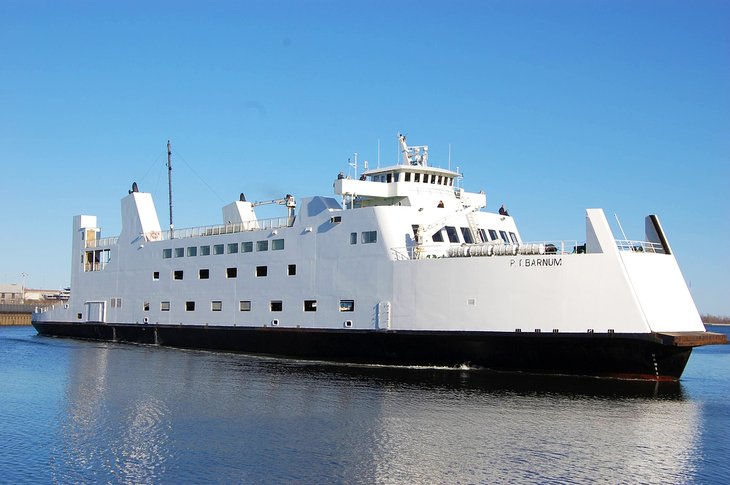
column 142, row 414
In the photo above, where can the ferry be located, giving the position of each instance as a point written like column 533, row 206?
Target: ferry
column 403, row 267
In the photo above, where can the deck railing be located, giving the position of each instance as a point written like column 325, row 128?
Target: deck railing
column 258, row 225
column 640, row 246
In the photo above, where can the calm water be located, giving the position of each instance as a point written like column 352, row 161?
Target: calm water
column 74, row 411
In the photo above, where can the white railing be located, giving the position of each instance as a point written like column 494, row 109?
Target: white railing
column 101, row 243
column 259, row 225
column 640, row 246
column 431, row 251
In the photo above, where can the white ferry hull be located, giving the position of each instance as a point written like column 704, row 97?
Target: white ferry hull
column 406, row 270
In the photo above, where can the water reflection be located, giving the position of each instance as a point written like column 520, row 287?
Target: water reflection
column 142, row 414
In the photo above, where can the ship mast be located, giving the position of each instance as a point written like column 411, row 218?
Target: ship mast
column 169, row 185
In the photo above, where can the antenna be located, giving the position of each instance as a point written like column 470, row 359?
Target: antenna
column 169, row 184
column 378, row 152
column 619, row 226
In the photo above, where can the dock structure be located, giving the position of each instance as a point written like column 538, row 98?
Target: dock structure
column 16, row 314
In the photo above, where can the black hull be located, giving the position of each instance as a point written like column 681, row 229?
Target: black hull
column 642, row 356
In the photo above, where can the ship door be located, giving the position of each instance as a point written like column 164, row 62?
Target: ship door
column 95, row 311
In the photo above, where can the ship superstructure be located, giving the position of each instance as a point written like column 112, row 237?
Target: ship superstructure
column 403, row 267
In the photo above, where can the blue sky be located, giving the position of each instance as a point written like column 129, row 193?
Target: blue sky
column 550, row 107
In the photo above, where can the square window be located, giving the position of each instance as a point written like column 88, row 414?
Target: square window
column 369, row 237
column 156, row 275
column 292, row 269
column 193, row 251
column 247, row 247
column 244, row 305
column 164, row 306
column 189, row 306
column 353, row 238
column 310, row 305
column 262, row 271
column 262, row 245
column 231, row 272
column 146, row 306
column 232, row 248
column 218, row 249
column 179, row 252
column 177, row 275
column 277, row 244
column 167, row 253
column 205, row 250
column 203, row 274
column 347, row 305
column 216, row 305
column 275, row 305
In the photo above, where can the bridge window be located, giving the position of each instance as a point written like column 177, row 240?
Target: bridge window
column 396, row 176
column 513, row 236
column 483, row 235
column 452, row 234
column 468, row 238
column 425, row 178
column 408, row 176
column 437, row 236
column 504, row 236
column 492, row 234
column 417, row 177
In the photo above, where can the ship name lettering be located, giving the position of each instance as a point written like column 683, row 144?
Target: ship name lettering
column 535, row 262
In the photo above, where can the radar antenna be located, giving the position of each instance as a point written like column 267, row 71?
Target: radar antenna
column 415, row 155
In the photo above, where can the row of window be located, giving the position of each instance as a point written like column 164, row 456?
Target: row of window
column 245, row 306
column 230, row 248
column 366, row 237
column 204, row 273
column 415, row 177
column 453, row 235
